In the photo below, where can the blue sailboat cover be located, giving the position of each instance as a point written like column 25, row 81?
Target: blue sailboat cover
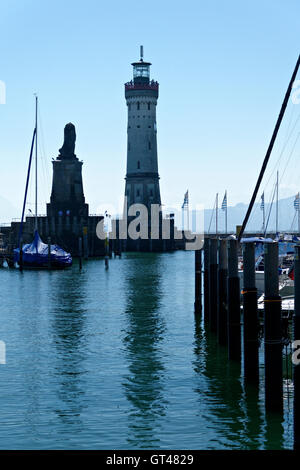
column 35, row 254
column 285, row 246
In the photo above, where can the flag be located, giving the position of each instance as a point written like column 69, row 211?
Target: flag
column 224, row 203
column 262, row 204
column 297, row 202
column 186, row 200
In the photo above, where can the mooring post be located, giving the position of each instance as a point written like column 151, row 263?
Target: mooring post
column 80, row 252
column 206, row 279
column 296, row 369
column 198, row 281
column 106, row 257
column 272, row 330
column 233, row 301
column 49, row 253
column 213, row 283
column 250, row 313
column 222, row 284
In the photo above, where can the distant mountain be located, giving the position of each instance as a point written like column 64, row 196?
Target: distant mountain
column 236, row 214
column 7, row 211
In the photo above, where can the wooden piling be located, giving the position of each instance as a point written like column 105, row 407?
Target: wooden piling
column 106, row 258
column 233, row 301
column 296, row 368
column 250, row 314
column 206, row 279
column 222, row 292
column 272, row 330
column 213, row 283
column 198, row 282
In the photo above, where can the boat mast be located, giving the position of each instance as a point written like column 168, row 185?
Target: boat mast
column 298, row 210
column 36, row 164
column 26, row 191
column 277, row 204
column 271, row 144
column 217, row 214
column 226, row 212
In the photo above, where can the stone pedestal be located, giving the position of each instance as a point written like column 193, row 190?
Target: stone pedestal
column 67, row 197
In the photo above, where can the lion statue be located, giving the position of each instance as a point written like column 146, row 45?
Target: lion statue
column 68, row 148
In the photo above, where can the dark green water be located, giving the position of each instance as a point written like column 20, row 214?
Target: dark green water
column 115, row 359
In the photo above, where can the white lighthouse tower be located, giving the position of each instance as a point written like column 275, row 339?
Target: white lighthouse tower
column 142, row 179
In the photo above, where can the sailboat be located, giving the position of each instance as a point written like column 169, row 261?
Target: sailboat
column 38, row 254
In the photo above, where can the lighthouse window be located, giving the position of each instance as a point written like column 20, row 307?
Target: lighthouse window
column 148, row 106
column 138, row 126
column 138, row 105
column 137, row 192
column 151, row 192
column 149, row 127
column 138, row 165
column 128, row 145
column 149, row 145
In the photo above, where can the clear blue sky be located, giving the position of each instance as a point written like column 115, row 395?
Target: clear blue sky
column 223, row 68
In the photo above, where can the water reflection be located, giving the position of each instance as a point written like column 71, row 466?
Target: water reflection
column 68, row 330
column 274, row 431
column 234, row 413
column 253, row 418
column 145, row 329
column 241, row 421
column 29, row 364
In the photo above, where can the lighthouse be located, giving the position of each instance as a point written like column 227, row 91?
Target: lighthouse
column 142, row 179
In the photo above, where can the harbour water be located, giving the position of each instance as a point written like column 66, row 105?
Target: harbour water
column 117, row 360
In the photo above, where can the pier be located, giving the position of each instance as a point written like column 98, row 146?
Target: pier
column 241, row 328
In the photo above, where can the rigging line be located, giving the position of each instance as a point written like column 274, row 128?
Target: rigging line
column 213, row 211
column 290, row 121
column 45, row 188
column 254, row 211
column 42, row 145
column 270, row 209
column 270, row 148
column 293, row 221
column 281, row 153
column 290, row 155
column 20, row 238
column 44, row 166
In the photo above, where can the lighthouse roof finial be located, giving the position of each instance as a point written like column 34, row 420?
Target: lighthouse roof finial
column 142, row 53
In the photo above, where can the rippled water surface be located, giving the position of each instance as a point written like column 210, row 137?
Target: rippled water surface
column 116, row 359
